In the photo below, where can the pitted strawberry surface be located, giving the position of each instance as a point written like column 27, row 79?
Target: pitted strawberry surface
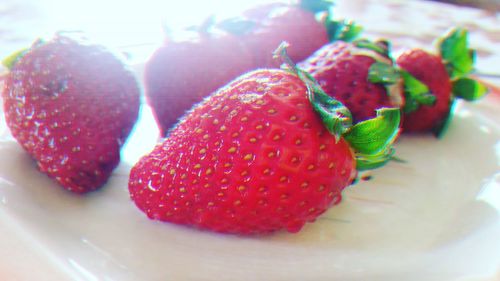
column 71, row 105
column 253, row 158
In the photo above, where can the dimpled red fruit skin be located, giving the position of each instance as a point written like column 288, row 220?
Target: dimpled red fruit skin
column 275, row 23
column 342, row 72
column 71, row 105
column 253, row 158
column 182, row 73
column 430, row 70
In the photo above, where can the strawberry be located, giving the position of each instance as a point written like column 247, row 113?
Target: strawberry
column 268, row 151
column 183, row 72
column 71, row 105
column 418, row 62
column 271, row 24
column 432, row 82
column 349, row 72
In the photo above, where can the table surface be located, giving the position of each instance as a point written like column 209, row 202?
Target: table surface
column 406, row 23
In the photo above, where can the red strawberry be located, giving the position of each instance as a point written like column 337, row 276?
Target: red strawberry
column 255, row 157
column 71, row 105
column 349, row 73
column 430, row 70
column 433, row 81
column 182, row 73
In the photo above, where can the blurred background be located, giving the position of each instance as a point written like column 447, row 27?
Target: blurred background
column 131, row 23
column 492, row 5
column 137, row 28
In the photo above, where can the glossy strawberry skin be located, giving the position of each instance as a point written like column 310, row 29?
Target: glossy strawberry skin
column 343, row 74
column 253, row 158
column 276, row 23
column 430, row 70
column 180, row 74
column 71, row 106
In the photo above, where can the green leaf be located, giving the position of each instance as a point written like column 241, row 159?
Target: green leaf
column 380, row 47
column 416, row 93
column 383, row 73
column 343, row 30
column 469, row 89
column 335, row 116
column 316, row 6
column 9, row 61
column 373, row 139
column 372, row 136
column 458, row 58
column 370, row 162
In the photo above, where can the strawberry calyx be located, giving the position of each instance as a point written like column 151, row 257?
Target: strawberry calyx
column 459, row 61
column 457, row 57
column 469, row 89
column 382, row 70
column 380, row 47
column 337, row 29
column 341, row 29
column 416, row 93
column 13, row 58
column 372, row 140
column 335, row 116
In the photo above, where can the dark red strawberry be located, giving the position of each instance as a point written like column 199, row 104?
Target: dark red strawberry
column 71, row 105
column 436, row 81
column 358, row 75
column 182, row 73
column 255, row 157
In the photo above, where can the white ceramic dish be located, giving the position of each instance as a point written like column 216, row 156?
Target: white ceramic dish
column 435, row 217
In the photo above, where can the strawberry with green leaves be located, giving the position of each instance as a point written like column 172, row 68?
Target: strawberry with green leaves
column 71, row 105
column 432, row 82
column 268, row 151
column 351, row 73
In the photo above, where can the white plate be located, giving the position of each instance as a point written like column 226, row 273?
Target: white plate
column 435, row 217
